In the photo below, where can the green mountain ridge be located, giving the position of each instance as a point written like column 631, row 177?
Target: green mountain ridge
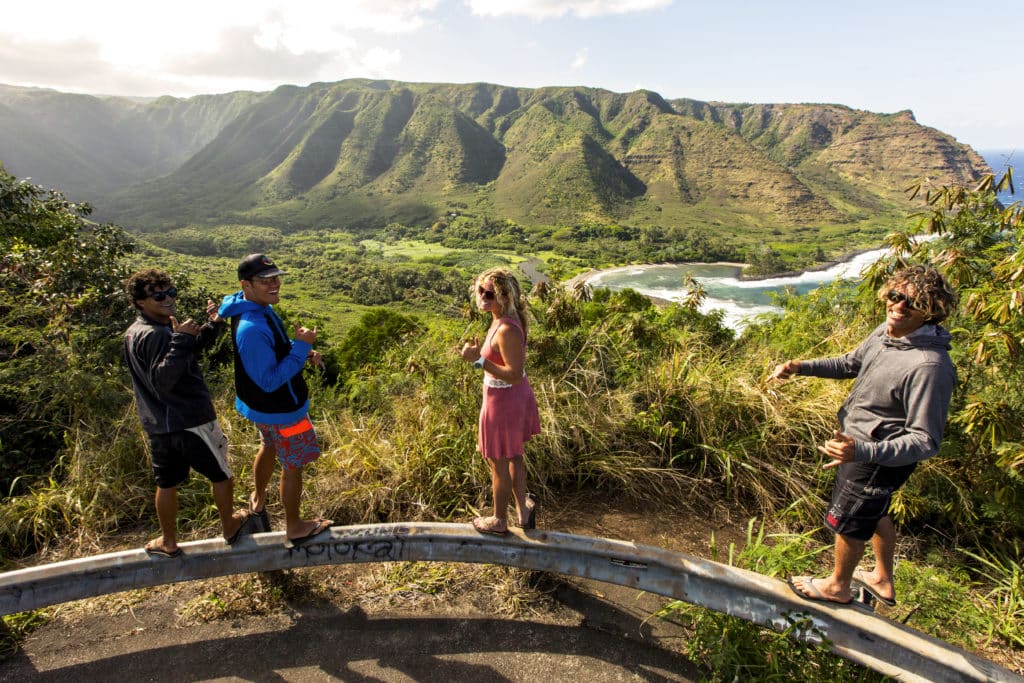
column 362, row 153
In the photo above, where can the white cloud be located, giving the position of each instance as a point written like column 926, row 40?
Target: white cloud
column 238, row 54
column 580, row 60
column 551, row 9
column 120, row 47
column 378, row 62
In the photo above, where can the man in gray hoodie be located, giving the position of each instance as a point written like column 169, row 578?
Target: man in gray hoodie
column 892, row 419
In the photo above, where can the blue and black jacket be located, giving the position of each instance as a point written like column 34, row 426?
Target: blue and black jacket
column 269, row 385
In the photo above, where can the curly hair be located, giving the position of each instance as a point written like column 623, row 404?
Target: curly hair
column 137, row 283
column 926, row 289
column 507, row 292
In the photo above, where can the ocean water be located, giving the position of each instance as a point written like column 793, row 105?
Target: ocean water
column 998, row 159
column 738, row 299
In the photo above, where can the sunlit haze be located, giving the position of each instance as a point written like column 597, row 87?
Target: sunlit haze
column 950, row 63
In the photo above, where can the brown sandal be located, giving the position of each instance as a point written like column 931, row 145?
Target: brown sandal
column 481, row 525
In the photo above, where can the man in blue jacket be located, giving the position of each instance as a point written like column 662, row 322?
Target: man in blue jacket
column 174, row 404
column 892, row 419
column 271, row 391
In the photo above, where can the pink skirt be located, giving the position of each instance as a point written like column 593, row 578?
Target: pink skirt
column 508, row 418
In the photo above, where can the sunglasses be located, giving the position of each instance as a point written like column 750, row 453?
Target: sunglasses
column 899, row 297
column 160, row 296
column 266, row 281
column 485, row 294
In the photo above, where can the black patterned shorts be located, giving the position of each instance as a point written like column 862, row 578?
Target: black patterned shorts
column 203, row 449
column 861, row 497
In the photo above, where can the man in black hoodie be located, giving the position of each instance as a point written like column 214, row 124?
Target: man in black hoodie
column 174, row 404
column 892, row 419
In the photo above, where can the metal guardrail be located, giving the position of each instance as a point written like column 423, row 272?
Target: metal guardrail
column 882, row 645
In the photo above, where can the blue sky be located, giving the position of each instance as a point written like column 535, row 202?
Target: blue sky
column 954, row 66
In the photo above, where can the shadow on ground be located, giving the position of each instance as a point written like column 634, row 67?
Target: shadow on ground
column 317, row 644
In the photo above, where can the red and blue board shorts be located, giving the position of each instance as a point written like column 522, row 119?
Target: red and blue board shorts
column 295, row 444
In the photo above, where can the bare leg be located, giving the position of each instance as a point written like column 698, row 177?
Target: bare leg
column 836, row 587
column 849, row 552
column 291, row 495
column 501, row 490
column 517, row 467
column 262, row 470
column 224, row 497
column 883, row 543
column 166, row 502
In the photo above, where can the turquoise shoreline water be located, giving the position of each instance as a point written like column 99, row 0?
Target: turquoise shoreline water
column 739, row 299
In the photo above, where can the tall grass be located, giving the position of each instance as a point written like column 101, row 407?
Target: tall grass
column 633, row 400
column 636, row 402
column 731, row 649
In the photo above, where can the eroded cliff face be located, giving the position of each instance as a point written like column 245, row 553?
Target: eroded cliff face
column 363, row 148
column 878, row 153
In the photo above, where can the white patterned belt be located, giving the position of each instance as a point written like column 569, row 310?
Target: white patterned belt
column 495, row 383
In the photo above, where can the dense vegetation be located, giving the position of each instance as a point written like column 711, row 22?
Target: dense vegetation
column 651, row 403
column 595, row 174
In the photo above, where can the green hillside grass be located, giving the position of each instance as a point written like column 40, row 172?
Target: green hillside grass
column 360, row 154
column 638, row 401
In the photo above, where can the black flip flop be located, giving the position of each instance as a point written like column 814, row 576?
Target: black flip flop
column 818, row 596
column 531, row 520
column 233, row 538
column 858, row 579
column 157, row 552
column 322, row 525
column 260, row 515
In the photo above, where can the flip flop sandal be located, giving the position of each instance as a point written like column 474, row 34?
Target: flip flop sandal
column 260, row 515
column 858, row 578
column 815, row 594
column 322, row 525
column 158, row 552
column 246, row 517
column 478, row 524
column 531, row 519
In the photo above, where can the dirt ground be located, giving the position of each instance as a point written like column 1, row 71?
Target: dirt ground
column 358, row 627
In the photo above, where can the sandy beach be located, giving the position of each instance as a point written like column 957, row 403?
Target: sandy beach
column 594, row 272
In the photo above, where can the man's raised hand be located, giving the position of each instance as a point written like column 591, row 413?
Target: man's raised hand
column 305, row 334
column 187, row 327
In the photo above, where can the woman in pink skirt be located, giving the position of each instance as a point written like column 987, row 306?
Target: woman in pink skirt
column 508, row 416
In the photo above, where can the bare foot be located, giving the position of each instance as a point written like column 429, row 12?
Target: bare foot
column 491, row 525
column 883, row 590
column 241, row 516
column 158, row 547
column 818, row 589
column 313, row 528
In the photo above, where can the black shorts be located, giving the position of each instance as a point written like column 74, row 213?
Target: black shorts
column 861, row 497
column 174, row 454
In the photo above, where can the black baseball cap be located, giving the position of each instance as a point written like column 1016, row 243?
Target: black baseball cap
column 257, row 265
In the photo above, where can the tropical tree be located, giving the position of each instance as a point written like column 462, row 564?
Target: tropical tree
column 976, row 242
column 60, row 309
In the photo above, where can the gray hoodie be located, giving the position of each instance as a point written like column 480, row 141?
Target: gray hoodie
column 897, row 408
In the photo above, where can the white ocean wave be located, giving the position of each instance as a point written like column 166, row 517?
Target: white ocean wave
column 737, row 309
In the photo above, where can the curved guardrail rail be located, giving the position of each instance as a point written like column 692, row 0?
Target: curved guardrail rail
column 885, row 646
